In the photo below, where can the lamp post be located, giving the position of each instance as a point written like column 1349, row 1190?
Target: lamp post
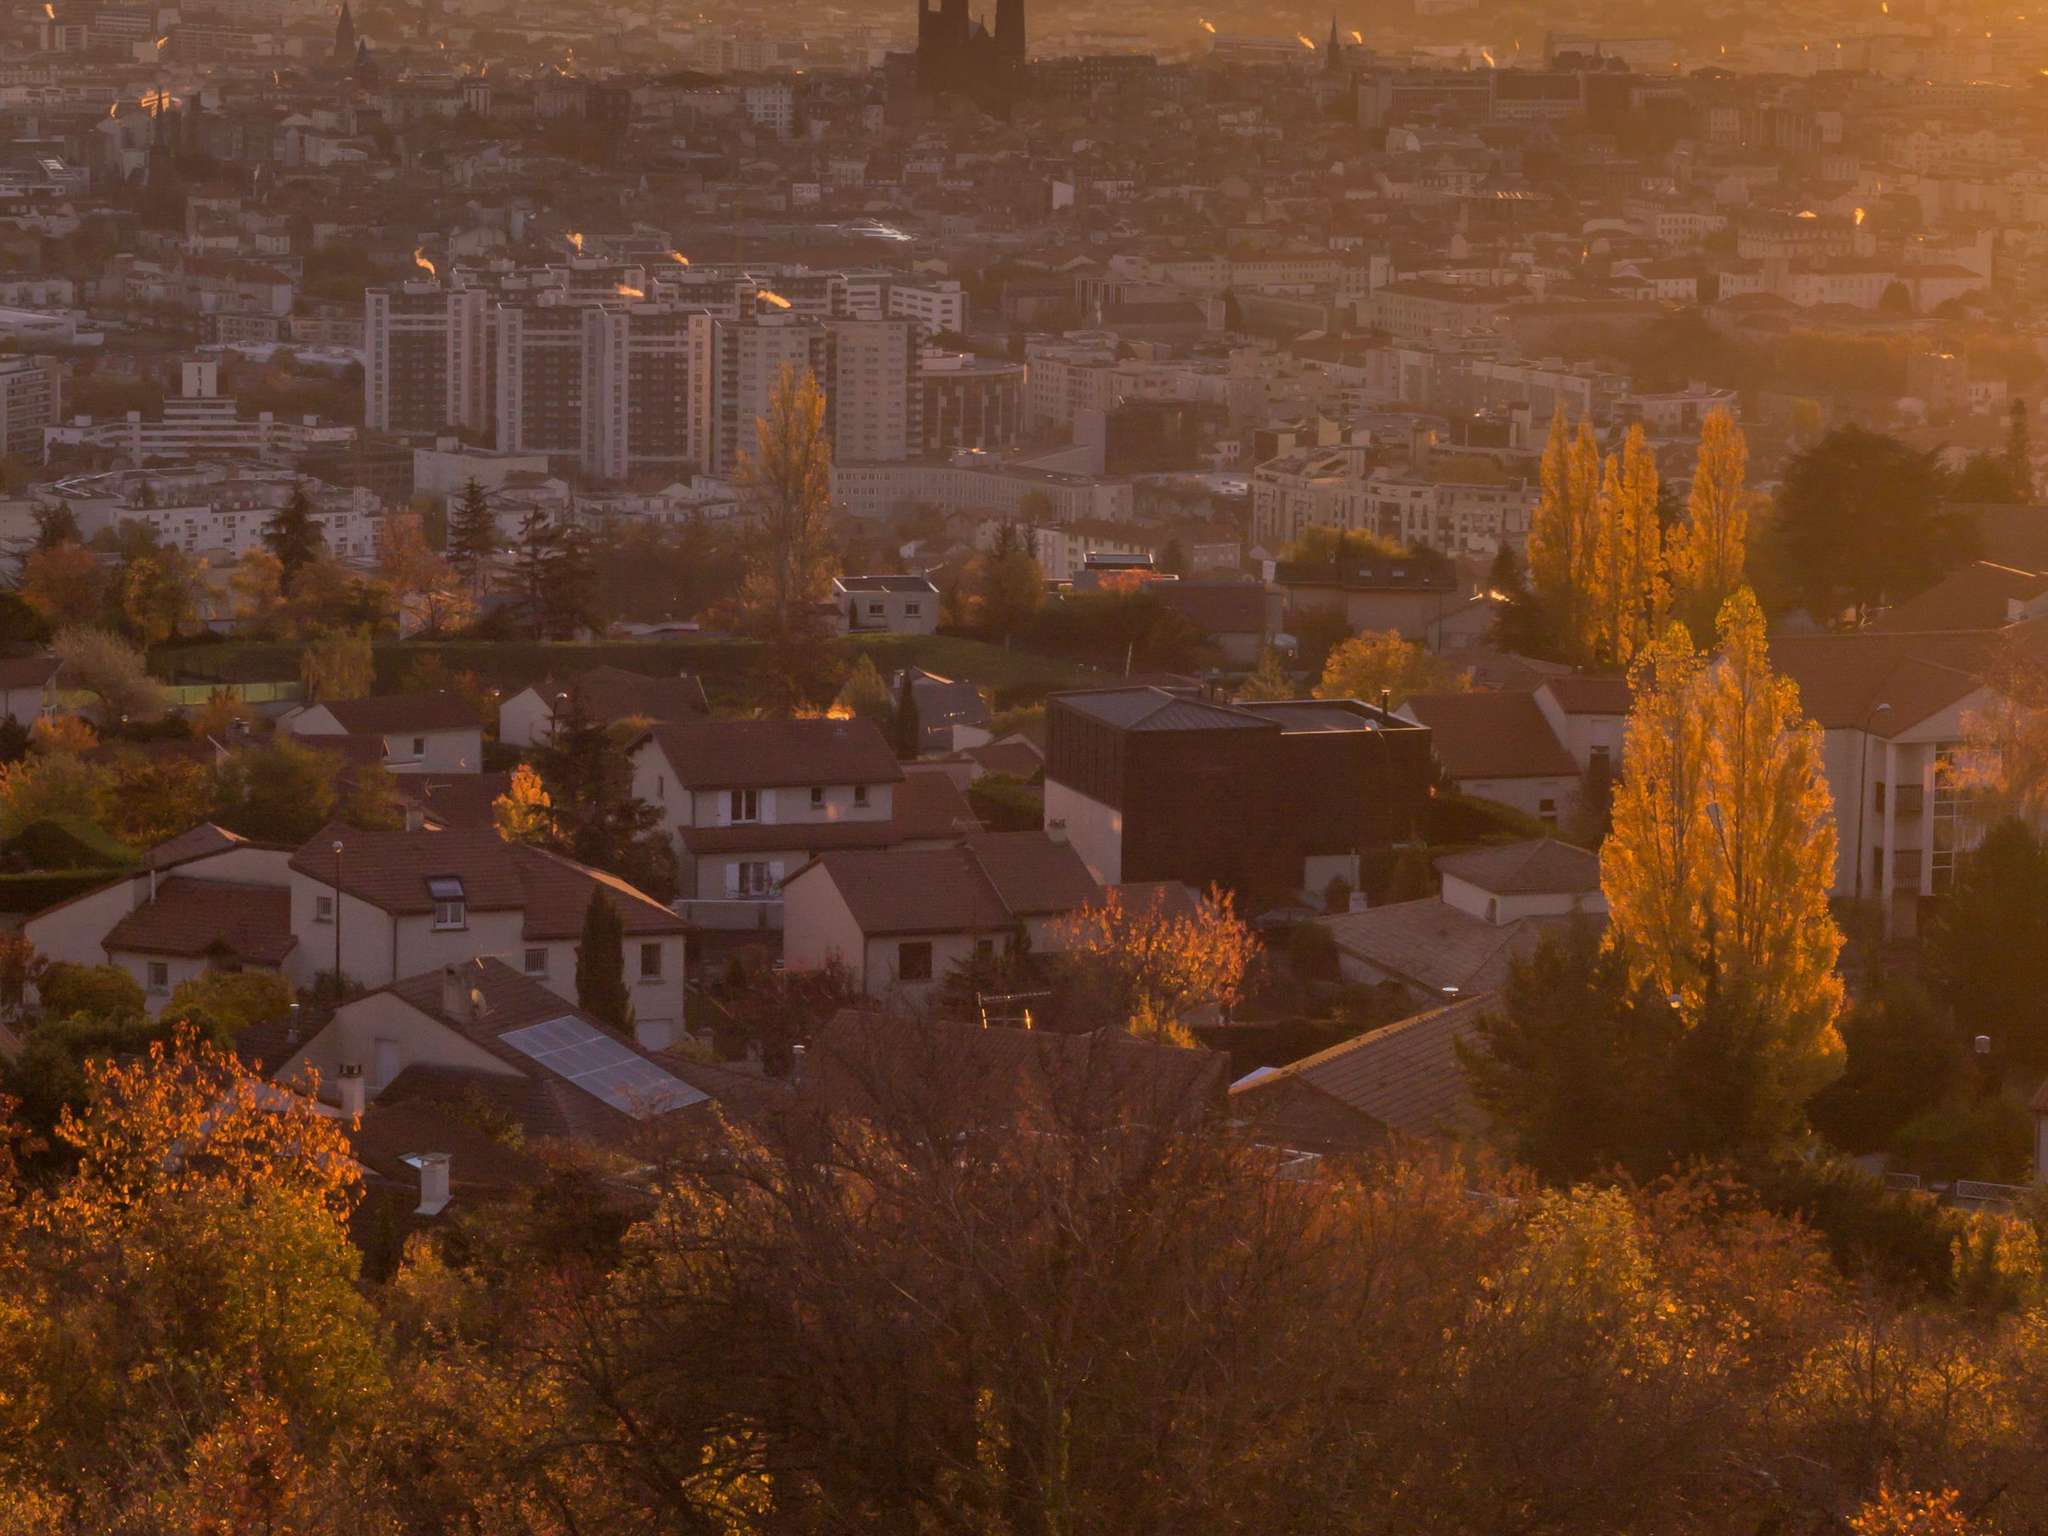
column 337, row 917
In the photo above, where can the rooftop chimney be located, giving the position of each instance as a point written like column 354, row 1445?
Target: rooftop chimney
column 458, row 1000
column 348, row 1082
column 1056, row 829
column 653, row 1034
column 415, row 816
column 433, row 1167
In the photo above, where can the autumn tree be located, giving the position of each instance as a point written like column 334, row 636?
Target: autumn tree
column 418, row 576
column 787, row 486
column 256, row 588
column 338, row 665
column 1722, row 853
column 65, row 584
column 1628, row 596
column 1146, row 966
column 1709, row 551
column 142, row 799
column 1380, row 661
column 524, row 813
column 865, row 694
column 161, row 596
column 1267, row 681
column 47, row 786
column 112, row 671
column 281, row 791
column 1563, row 533
column 1011, row 584
column 292, row 535
column 231, row 1000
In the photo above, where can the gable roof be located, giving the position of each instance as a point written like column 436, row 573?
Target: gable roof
column 1843, row 678
column 1540, row 867
column 612, row 693
column 1156, row 709
column 1974, row 596
column 767, row 754
column 396, row 713
column 1405, row 1076
column 195, row 918
column 27, row 672
column 545, row 1103
column 1431, row 944
column 1491, row 736
column 992, row 881
column 1578, row 694
column 390, row 871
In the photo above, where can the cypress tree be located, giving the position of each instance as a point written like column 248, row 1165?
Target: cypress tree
column 601, row 964
column 908, row 732
column 473, row 537
column 292, row 535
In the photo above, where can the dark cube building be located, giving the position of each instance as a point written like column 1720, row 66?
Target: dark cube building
column 1263, row 799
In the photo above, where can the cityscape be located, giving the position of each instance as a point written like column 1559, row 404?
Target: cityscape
column 1008, row 770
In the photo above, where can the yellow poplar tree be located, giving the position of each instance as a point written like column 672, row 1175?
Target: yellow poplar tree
column 1709, row 553
column 1628, row 600
column 1723, row 846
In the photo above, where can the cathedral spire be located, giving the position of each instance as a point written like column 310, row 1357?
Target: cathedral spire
column 345, row 37
column 1333, row 55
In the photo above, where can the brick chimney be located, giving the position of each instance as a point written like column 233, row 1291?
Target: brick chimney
column 457, row 1003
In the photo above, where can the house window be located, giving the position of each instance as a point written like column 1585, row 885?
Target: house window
column 875, row 610
column 419, row 746
column 817, row 798
column 746, row 805
column 984, row 949
column 1546, row 812
column 911, row 610
column 1599, row 756
column 323, row 909
column 860, row 794
column 449, row 908
column 650, row 962
column 536, row 962
column 661, row 786
column 914, row 961
column 159, row 976
column 755, row 878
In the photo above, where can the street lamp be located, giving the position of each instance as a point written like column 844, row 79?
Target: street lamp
column 337, row 918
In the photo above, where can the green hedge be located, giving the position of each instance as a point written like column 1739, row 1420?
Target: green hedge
column 726, row 665
column 29, row 893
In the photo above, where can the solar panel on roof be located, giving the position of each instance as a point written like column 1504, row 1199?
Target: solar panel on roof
column 602, row 1067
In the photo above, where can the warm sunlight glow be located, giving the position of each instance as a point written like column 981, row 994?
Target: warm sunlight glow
column 1859, row 215
column 1207, row 25
column 1357, row 36
column 576, row 239
column 679, row 257
column 419, row 259
column 773, row 298
column 628, row 291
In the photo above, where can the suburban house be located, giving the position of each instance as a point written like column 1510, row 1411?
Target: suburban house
column 1267, row 799
column 1239, row 618
column 421, row 732
column 480, row 1033
column 1495, row 906
column 749, row 802
column 27, row 687
column 383, row 905
column 204, row 900
column 895, row 605
column 1405, row 594
column 951, row 716
column 1893, row 708
column 901, row 921
column 1499, row 747
column 1588, row 716
column 603, row 694
column 1401, row 1080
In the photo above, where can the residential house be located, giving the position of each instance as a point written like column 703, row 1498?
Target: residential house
column 1407, row 595
column 421, row 732
column 196, row 904
column 1588, row 716
column 749, row 802
column 481, row 1034
column 603, row 694
column 902, row 921
column 1239, row 618
column 895, row 605
column 378, row 906
column 1402, row 1080
column 1496, row 905
column 1499, row 747
column 951, row 716
column 1266, row 799
column 27, row 687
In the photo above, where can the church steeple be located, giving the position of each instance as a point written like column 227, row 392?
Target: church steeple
column 345, row 37
column 1333, row 55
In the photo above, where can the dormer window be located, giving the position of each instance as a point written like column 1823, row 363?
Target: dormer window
column 450, row 911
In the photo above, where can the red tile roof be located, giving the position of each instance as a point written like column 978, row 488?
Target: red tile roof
column 1491, row 736
column 395, row 713
column 195, row 918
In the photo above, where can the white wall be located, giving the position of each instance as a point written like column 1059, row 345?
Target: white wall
column 1095, row 830
column 444, row 751
column 1505, row 909
column 525, row 719
column 818, row 927
column 415, row 1040
column 1527, row 795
